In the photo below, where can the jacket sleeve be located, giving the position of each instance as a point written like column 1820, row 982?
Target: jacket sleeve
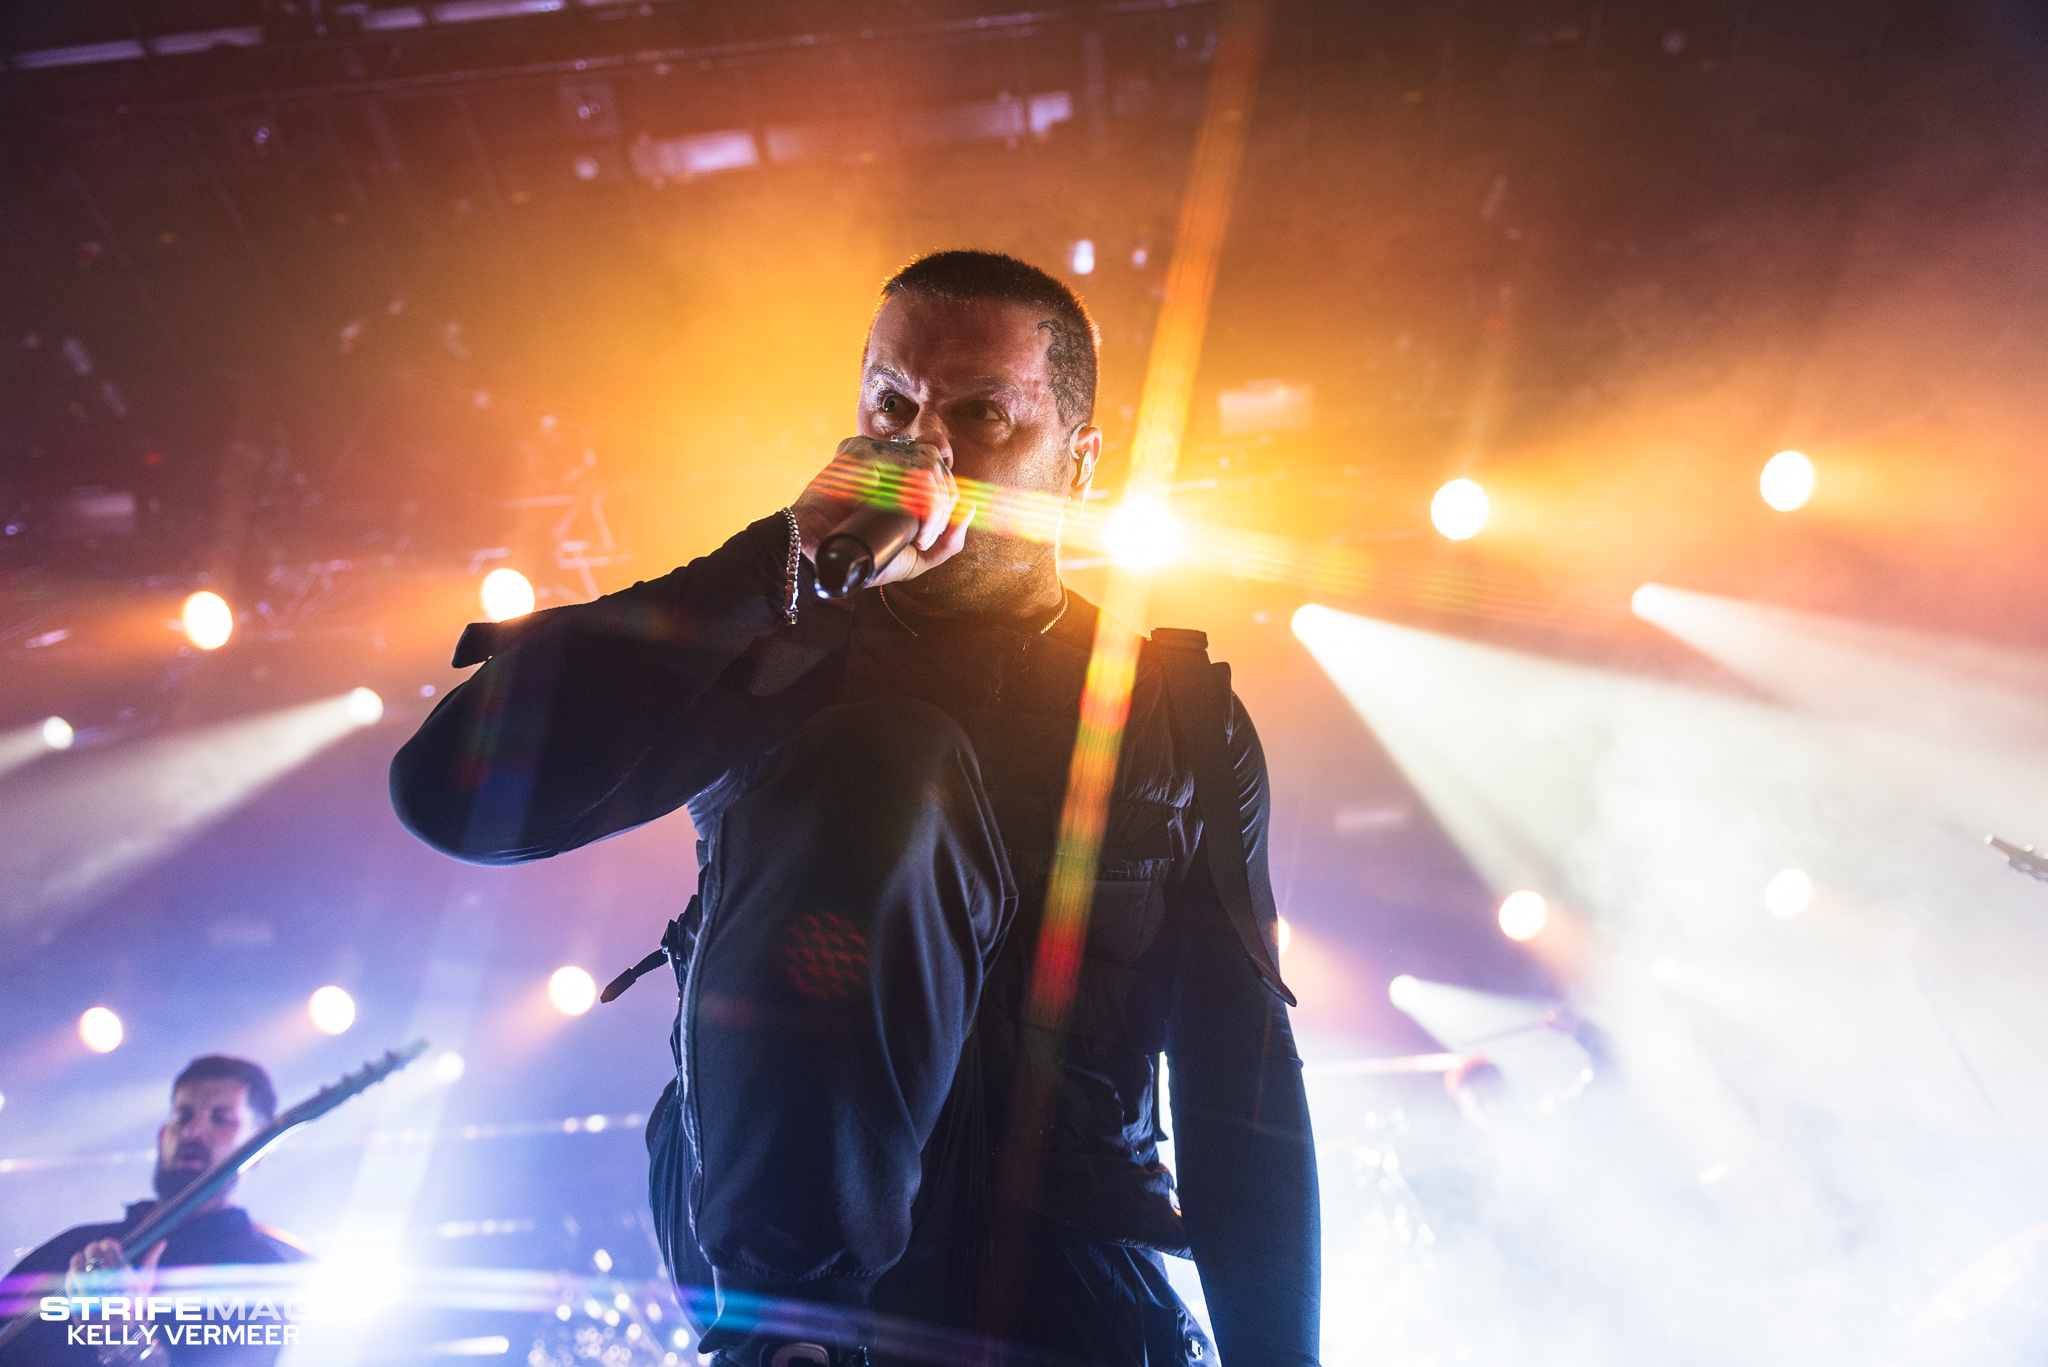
column 594, row 718
column 1242, row 1140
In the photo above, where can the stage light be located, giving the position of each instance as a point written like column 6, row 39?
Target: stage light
column 1459, row 509
column 1286, row 934
column 365, row 708
column 208, row 620
column 1788, row 893
column 572, row 991
column 1404, row 991
column 1143, row 535
column 100, row 1029
column 602, row 1259
column 449, row 1066
column 1522, row 915
column 506, row 594
column 1787, row 481
column 332, row 1010
column 1647, row 600
column 57, row 733
column 1084, row 257
column 488, row 1345
column 360, row 1277
column 102, row 814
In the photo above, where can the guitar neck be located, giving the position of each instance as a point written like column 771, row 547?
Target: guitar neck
column 169, row 1214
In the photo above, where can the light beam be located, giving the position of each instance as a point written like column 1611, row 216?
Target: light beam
column 106, row 814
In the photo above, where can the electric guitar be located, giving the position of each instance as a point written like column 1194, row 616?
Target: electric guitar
column 2021, row 857
column 169, row 1214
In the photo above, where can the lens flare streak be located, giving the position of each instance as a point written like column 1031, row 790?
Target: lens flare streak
column 1112, row 664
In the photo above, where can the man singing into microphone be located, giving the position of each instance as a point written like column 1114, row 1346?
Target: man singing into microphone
column 876, row 786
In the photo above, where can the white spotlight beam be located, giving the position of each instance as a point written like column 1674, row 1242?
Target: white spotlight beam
column 362, row 1269
column 1508, row 1031
column 1664, row 811
column 104, row 817
column 1462, row 740
column 21, row 746
column 1876, row 1053
column 1933, row 686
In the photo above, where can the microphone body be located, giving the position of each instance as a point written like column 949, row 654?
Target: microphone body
column 861, row 547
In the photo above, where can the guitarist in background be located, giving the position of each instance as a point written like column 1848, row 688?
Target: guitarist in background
column 216, row 1103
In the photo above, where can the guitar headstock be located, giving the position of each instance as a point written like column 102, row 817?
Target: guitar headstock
column 363, row 1078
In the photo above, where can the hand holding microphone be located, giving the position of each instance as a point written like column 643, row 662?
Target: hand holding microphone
column 880, row 512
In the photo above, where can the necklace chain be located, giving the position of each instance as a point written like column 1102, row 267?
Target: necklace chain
column 890, row 608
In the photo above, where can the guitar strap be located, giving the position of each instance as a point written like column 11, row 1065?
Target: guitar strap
column 1199, row 703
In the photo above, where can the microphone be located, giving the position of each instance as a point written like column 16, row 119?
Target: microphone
column 874, row 534
column 861, row 547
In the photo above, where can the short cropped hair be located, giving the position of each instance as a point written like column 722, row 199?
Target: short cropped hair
column 962, row 276
column 262, row 1095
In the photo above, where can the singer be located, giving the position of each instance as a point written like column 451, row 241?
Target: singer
column 876, row 784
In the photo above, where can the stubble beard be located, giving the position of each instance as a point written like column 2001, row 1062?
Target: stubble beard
column 992, row 572
column 169, row 1181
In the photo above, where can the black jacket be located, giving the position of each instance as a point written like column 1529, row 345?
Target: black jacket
column 592, row 719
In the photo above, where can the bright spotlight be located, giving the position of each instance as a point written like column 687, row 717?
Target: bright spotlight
column 1403, row 991
column 100, row 1029
column 1307, row 619
column 1788, row 893
column 332, row 1010
column 208, row 620
column 449, row 1066
column 572, row 991
column 1143, row 535
column 365, row 708
column 363, row 1278
column 506, row 594
column 57, row 733
column 1788, row 481
column 1084, row 257
column 1645, row 601
column 1522, row 915
column 1459, row 509
column 1286, row 934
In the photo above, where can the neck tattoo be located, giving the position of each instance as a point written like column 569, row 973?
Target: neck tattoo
column 890, row 608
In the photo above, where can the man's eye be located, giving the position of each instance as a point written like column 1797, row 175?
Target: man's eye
column 891, row 403
column 984, row 411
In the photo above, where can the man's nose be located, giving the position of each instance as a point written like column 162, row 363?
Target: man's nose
column 929, row 429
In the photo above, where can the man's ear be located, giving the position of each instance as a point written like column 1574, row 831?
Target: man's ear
column 1086, row 449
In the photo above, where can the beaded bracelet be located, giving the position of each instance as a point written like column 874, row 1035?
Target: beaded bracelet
column 789, row 572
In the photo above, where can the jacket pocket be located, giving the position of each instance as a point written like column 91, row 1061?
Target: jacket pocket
column 1129, row 907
